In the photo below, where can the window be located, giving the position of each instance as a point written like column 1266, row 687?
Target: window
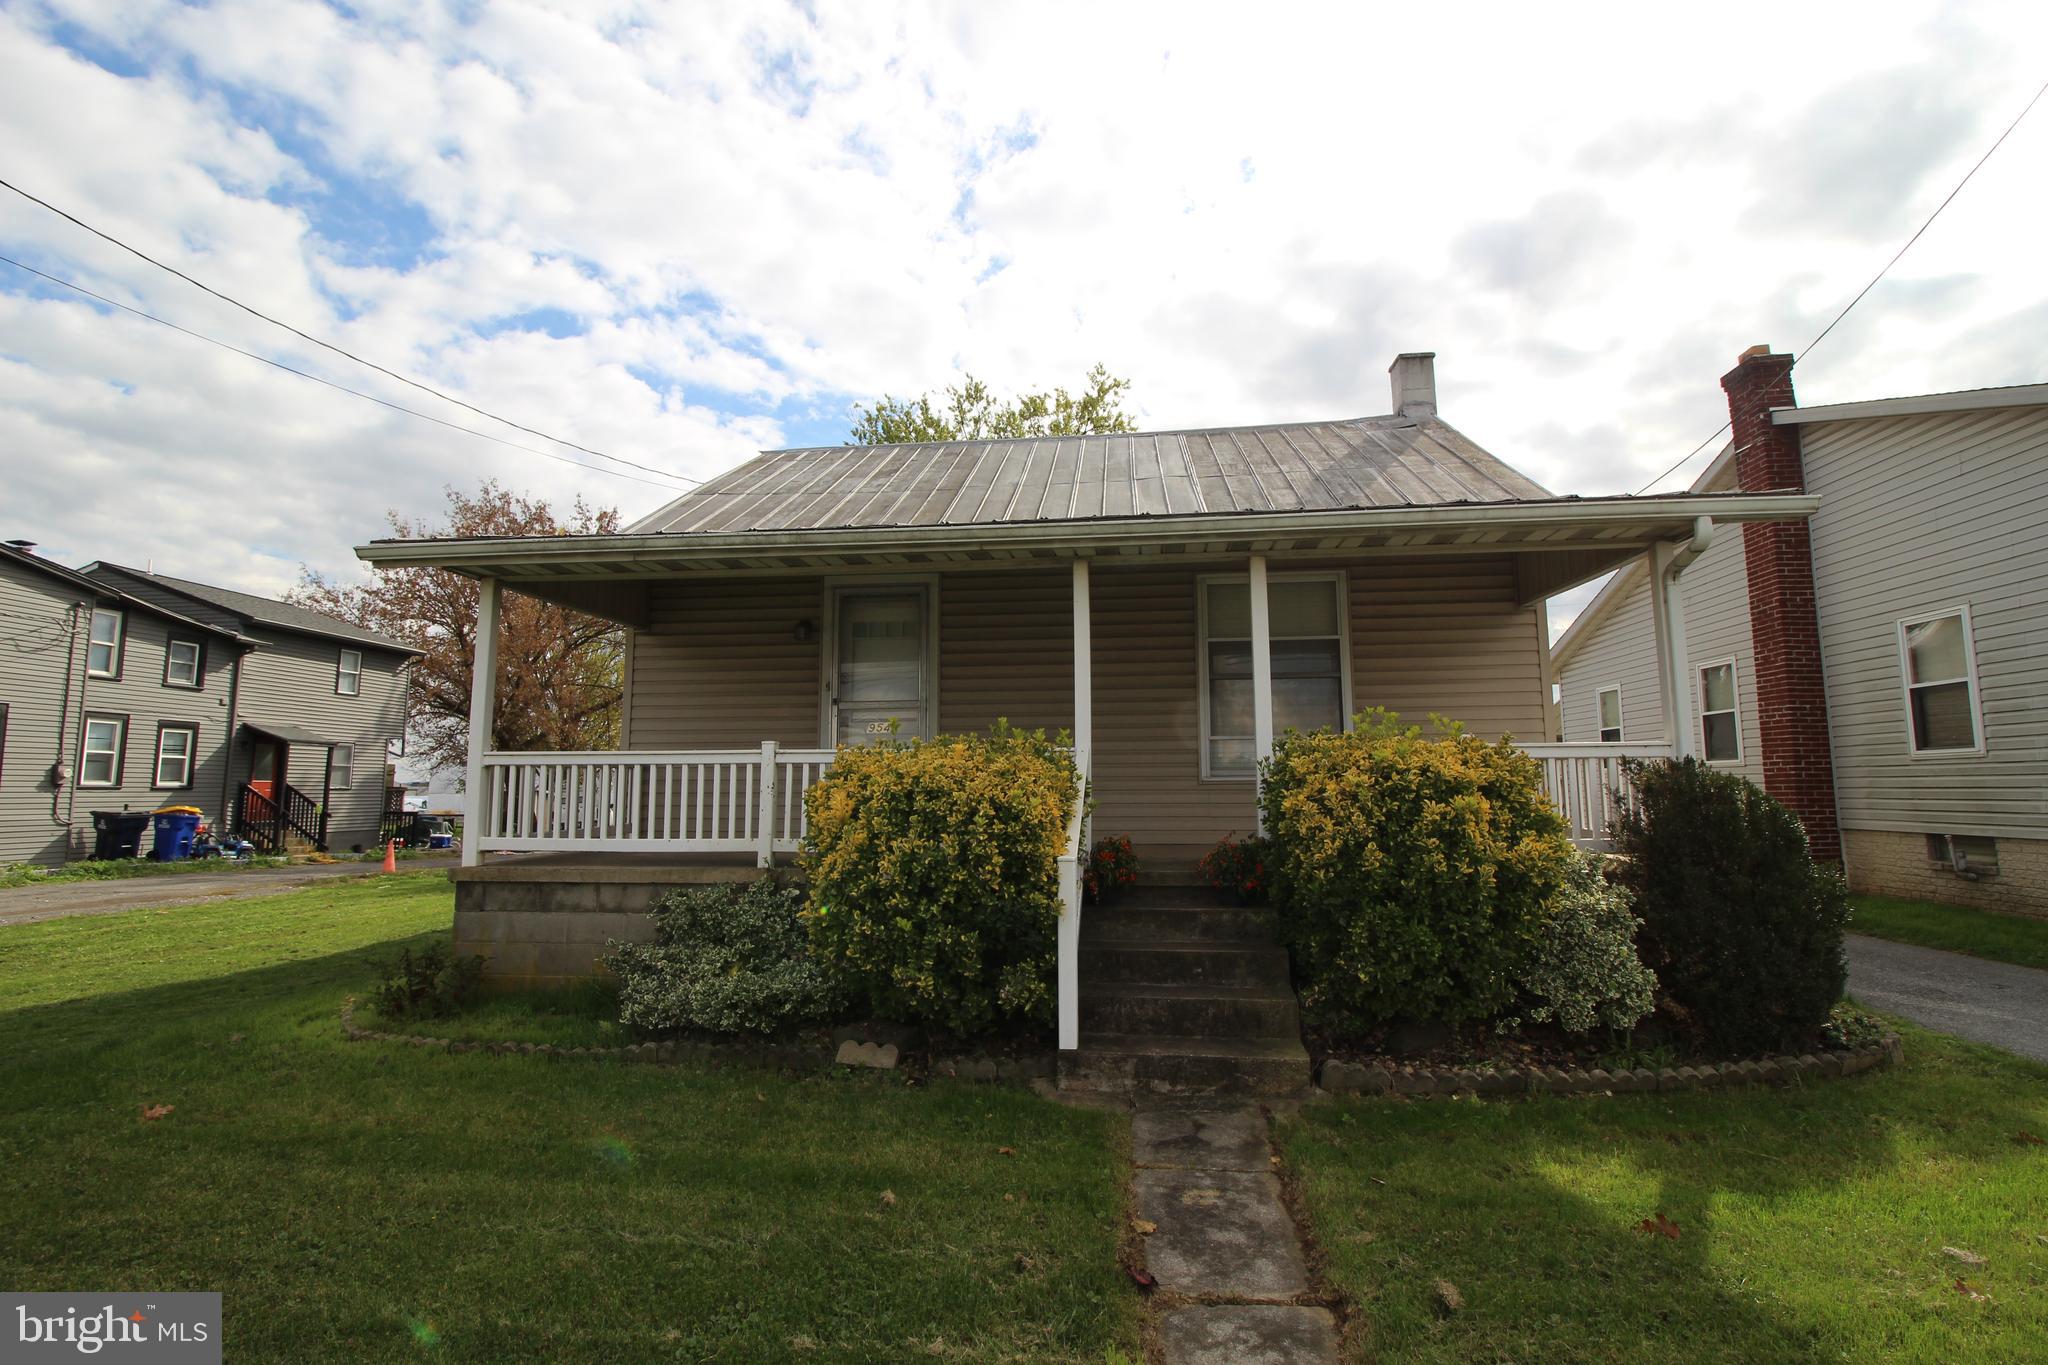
column 348, row 675
column 181, row 663
column 177, row 747
column 104, row 743
column 1310, row 672
column 1939, row 662
column 103, row 653
column 1610, row 715
column 1720, row 731
column 341, row 766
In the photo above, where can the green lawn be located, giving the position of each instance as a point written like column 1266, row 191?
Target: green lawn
column 1958, row 928
column 1811, row 1223
column 362, row 1202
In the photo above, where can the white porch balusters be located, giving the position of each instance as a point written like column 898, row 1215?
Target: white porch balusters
column 483, row 699
column 1262, row 670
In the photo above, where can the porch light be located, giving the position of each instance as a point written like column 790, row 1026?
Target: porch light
column 803, row 631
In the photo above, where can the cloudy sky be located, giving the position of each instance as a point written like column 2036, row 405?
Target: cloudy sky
column 681, row 233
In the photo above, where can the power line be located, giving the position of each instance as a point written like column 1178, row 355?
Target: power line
column 303, row 374
column 1808, row 349
column 327, row 345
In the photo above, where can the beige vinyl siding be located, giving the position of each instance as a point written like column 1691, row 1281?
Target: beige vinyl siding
column 289, row 680
column 1716, row 599
column 719, row 667
column 1921, row 514
column 1621, row 648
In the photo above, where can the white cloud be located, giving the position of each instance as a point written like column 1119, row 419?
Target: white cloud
column 752, row 216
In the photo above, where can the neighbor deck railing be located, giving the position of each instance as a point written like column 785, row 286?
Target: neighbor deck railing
column 686, row 801
column 1587, row 785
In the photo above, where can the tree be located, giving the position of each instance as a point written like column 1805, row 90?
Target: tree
column 969, row 411
column 559, row 671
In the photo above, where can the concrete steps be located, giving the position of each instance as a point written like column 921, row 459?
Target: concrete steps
column 1183, row 994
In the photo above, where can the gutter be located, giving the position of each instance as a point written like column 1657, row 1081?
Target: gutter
column 1085, row 537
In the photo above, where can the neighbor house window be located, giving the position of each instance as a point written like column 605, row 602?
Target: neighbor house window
column 176, row 748
column 341, row 766
column 1305, row 627
column 105, row 738
column 103, row 652
column 348, row 677
column 1610, row 715
column 181, row 663
column 1720, row 733
column 1938, row 659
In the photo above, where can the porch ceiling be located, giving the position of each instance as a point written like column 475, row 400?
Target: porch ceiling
column 1590, row 535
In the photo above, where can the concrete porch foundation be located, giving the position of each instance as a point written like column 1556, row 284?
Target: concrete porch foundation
column 543, row 920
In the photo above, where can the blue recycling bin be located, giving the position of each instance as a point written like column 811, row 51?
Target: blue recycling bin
column 175, row 828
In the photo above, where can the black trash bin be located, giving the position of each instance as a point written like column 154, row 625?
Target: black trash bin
column 118, row 833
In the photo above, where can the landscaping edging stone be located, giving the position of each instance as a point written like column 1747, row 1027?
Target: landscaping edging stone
column 1339, row 1077
column 1021, row 1070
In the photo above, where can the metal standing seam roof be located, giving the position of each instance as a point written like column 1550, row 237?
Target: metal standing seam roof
column 1366, row 462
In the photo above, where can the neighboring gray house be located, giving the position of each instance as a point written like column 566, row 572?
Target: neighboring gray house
column 123, row 690
column 1928, row 585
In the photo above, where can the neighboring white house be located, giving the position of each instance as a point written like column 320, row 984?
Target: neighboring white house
column 1929, row 579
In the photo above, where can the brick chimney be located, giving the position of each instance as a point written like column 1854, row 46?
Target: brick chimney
column 1413, row 377
column 1791, row 697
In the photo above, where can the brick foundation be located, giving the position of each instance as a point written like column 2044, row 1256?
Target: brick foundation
column 1792, row 703
column 1889, row 863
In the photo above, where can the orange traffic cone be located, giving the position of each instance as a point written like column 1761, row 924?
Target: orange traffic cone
column 391, row 856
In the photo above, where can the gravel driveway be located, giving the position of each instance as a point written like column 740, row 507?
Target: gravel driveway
column 1986, row 1002
column 27, row 904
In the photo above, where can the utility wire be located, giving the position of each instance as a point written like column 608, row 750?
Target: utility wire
column 327, row 345
column 1808, row 349
column 303, row 374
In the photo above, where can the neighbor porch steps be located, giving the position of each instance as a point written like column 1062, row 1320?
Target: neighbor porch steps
column 1183, row 994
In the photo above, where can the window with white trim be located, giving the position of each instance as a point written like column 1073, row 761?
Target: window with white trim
column 1720, row 730
column 1939, row 661
column 177, row 747
column 348, row 674
column 1610, row 714
column 1305, row 630
column 103, row 650
column 181, row 663
column 341, row 766
column 100, row 755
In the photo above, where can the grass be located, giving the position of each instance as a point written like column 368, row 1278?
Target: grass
column 118, row 869
column 1811, row 1222
column 357, row 1201
column 1958, row 928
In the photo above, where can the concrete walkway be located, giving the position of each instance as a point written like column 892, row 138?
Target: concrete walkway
column 1986, row 1002
column 27, row 904
column 1223, row 1236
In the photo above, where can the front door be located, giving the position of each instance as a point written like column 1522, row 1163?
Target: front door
column 266, row 767
column 881, row 674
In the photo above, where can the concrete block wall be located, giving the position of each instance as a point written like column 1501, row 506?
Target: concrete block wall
column 1891, row 863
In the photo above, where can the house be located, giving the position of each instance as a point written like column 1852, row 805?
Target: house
column 127, row 691
column 1172, row 599
column 1879, row 667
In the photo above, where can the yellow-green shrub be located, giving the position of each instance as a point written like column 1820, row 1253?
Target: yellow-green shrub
column 935, row 877
column 1411, row 876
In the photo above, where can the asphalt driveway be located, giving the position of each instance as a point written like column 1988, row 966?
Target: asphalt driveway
column 1986, row 1002
column 27, row 904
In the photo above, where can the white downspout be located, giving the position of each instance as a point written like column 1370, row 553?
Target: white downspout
column 1668, row 560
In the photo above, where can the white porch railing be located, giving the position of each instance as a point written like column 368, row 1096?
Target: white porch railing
column 695, row 801
column 1586, row 784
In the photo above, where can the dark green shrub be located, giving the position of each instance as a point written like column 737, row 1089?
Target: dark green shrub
column 729, row 958
column 934, row 871
column 1411, row 876
column 1584, row 969
column 431, row 984
column 1742, row 928
column 1238, row 868
column 1112, row 870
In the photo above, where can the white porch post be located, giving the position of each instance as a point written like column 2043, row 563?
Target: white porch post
column 483, row 698
column 1674, row 672
column 764, row 808
column 1262, row 670
column 1069, row 937
column 1084, row 671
